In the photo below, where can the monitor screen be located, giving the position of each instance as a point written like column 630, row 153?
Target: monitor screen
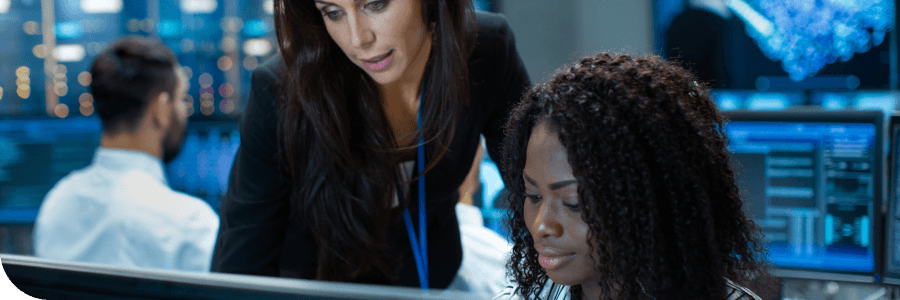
column 203, row 166
column 35, row 153
column 812, row 182
column 892, row 224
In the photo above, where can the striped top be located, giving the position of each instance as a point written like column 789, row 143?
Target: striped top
column 554, row 291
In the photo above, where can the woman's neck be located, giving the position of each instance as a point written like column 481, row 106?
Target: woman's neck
column 406, row 88
column 400, row 99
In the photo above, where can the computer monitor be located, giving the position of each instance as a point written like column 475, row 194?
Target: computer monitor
column 45, row 279
column 892, row 222
column 203, row 166
column 35, row 153
column 812, row 181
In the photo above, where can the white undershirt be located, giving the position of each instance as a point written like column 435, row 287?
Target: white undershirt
column 406, row 172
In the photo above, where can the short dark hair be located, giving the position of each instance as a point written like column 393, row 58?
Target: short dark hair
column 644, row 140
column 127, row 76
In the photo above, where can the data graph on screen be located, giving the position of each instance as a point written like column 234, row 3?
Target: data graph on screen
column 203, row 166
column 813, row 187
column 35, row 153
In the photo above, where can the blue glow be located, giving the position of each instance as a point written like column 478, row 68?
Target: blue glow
column 885, row 101
column 69, row 30
column 768, row 102
column 482, row 5
column 837, row 258
column 753, row 100
column 876, row 101
column 805, row 35
column 169, row 28
column 834, row 102
column 864, row 231
column 727, row 101
column 491, row 182
column 255, row 28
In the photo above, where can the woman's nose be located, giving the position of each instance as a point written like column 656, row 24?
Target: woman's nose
column 545, row 223
column 361, row 33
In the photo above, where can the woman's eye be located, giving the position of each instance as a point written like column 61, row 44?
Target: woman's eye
column 573, row 206
column 332, row 14
column 376, row 5
column 573, row 203
column 533, row 198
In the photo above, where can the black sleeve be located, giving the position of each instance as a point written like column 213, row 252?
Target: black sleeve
column 513, row 80
column 255, row 209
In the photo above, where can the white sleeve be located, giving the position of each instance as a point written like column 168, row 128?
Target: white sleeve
column 550, row 291
column 200, row 238
column 508, row 293
column 483, row 268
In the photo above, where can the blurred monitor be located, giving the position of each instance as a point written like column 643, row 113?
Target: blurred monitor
column 743, row 44
column 37, row 152
column 486, row 5
column 203, row 166
column 728, row 100
column 45, row 279
column 892, row 224
column 885, row 101
column 813, row 182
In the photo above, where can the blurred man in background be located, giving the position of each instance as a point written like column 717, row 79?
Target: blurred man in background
column 120, row 210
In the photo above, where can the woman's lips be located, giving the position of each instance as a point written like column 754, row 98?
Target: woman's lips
column 380, row 63
column 552, row 262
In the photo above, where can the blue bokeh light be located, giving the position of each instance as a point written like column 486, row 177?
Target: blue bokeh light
column 805, row 35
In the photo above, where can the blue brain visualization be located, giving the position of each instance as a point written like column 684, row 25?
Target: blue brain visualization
column 807, row 34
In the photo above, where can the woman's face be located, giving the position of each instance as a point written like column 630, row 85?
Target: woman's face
column 386, row 38
column 553, row 211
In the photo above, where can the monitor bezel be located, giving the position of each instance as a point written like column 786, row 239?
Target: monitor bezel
column 888, row 277
column 67, row 279
column 874, row 117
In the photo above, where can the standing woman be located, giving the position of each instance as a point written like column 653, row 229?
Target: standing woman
column 367, row 101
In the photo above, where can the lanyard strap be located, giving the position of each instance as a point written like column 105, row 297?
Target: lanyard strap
column 419, row 245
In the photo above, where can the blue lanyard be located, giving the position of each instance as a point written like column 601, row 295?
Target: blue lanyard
column 420, row 245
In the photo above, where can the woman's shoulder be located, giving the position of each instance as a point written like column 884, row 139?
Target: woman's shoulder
column 261, row 103
column 267, row 71
column 491, row 23
column 492, row 31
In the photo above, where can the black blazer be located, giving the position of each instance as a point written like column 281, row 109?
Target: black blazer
column 260, row 235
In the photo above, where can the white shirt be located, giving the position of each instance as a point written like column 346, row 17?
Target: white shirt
column 120, row 211
column 553, row 291
column 482, row 272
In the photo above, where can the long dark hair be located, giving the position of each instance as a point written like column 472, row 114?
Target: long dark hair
column 336, row 142
column 644, row 141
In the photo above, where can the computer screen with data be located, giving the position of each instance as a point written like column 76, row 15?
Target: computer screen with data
column 812, row 182
column 892, row 224
column 37, row 152
column 203, row 166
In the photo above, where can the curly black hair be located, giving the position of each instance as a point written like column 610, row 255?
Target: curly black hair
column 646, row 146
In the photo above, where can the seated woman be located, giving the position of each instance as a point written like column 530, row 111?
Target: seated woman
column 621, row 189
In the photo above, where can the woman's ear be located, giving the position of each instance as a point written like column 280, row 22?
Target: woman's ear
column 160, row 111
